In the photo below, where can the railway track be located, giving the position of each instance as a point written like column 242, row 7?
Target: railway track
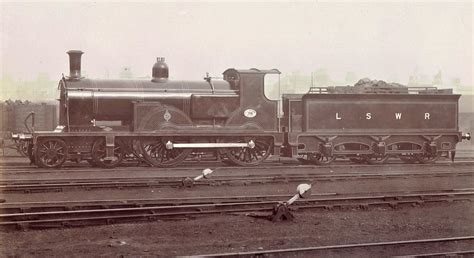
column 64, row 184
column 78, row 213
column 392, row 248
column 5, row 170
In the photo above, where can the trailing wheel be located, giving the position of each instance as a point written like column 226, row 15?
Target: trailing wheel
column 320, row 159
column 99, row 154
column 155, row 152
column 248, row 156
column 50, row 152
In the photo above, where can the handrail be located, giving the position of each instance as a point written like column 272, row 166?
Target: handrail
column 32, row 115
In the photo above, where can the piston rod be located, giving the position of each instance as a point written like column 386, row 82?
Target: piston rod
column 251, row 144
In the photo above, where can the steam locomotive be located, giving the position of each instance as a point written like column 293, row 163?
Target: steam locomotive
column 163, row 121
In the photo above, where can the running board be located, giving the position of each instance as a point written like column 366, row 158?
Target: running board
column 170, row 145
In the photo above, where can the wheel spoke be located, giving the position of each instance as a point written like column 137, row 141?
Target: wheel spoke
column 162, row 157
column 255, row 155
column 99, row 153
column 249, row 156
column 158, row 155
column 51, row 152
column 241, row 154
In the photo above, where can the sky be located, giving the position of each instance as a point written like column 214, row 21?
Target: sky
column 388, row 41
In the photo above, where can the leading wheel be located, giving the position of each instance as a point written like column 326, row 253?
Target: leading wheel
column 30, row 153
column 155, row 152
column 22, row 148
column 246, row 156
column 50, row 152
column 320, row 159
column 99, row 157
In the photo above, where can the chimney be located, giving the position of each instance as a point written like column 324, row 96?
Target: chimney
column 75, row 64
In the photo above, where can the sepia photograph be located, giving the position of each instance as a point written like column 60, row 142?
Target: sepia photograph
column 236, row 128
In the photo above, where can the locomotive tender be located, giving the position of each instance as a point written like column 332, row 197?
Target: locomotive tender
column 163, row 122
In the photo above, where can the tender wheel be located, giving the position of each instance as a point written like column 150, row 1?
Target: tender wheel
column 428, row 158
column 408, row 158
column 358, row 160
column 377, row 159
column 50, row 152
column 247, row 157
column 320, row 159
column 304, row 161
column 98, row 154
column 156, row 153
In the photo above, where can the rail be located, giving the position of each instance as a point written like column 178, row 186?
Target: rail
column 15, row 168
column 394, row 244
column 426, row 90
column 64, row 184
column 82, row 215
